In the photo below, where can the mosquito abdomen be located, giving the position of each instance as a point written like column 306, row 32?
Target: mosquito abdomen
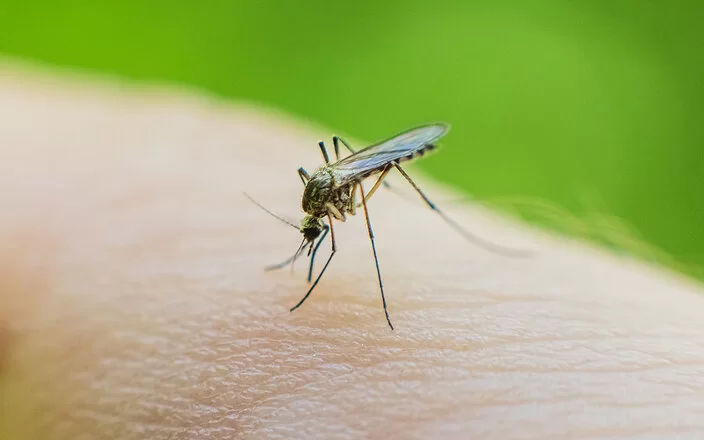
column 416, row 154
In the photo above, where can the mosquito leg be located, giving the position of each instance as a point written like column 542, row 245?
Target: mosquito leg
column 303, row 174
column 324, row 151
column 376, row 260
column 378, row 182
column 315, row 283
column 336, row 140
column 336, row 144
column 353, row 204
column 466, row 234
column 315, row 249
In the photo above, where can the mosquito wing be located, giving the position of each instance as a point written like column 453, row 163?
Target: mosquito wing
column 405, row 146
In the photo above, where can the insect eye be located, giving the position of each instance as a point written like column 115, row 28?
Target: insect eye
column 310, row 233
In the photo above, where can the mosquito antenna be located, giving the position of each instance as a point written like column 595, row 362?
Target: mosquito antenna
column 291, row 259
column 271, row 213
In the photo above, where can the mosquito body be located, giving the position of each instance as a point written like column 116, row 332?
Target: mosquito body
column 331, row 194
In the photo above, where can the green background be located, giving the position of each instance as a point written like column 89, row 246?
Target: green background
column 591, row 111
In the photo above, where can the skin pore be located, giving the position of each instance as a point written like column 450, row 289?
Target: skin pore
column 133, row 303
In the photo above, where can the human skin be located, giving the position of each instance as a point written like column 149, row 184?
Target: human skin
column 133, row 302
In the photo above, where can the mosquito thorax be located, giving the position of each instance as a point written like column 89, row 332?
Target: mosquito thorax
column 317, row 193
column 311, row 227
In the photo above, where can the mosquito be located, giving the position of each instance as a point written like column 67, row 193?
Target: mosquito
column 330, row 193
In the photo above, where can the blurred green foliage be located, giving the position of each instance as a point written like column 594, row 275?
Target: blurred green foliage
column 595, row 106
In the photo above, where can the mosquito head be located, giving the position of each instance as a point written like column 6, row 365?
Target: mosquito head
column 311, row 227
